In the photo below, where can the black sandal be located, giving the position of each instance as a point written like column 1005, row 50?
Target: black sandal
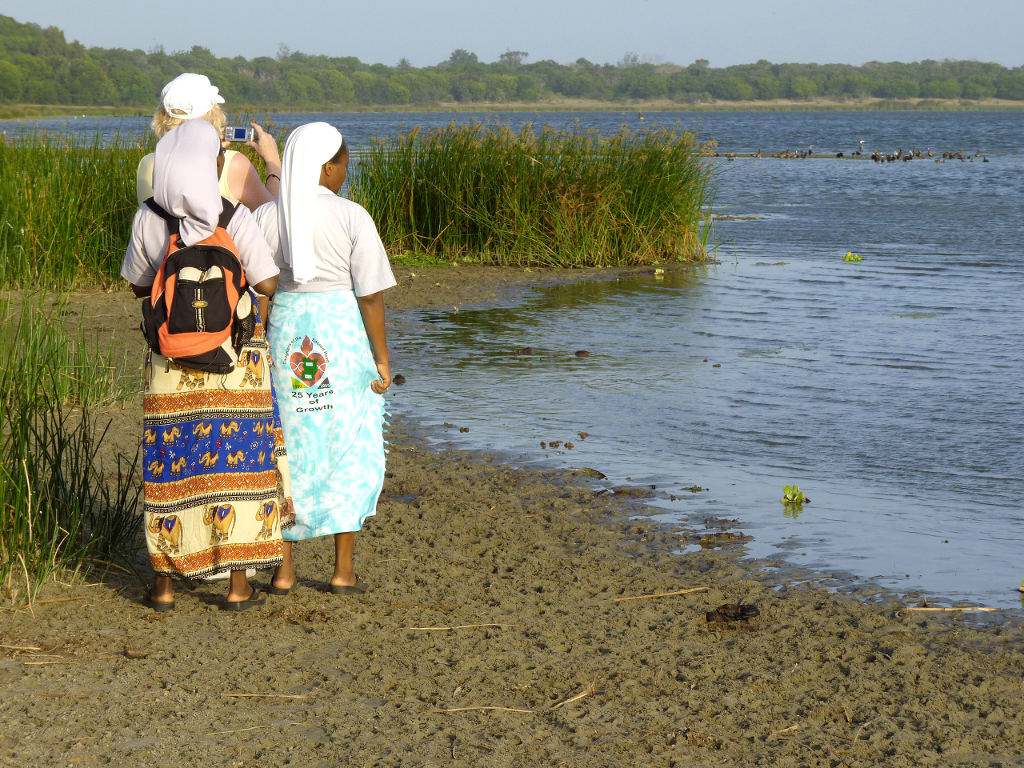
column 159, row 606
column 347, row 589
column 256, row 600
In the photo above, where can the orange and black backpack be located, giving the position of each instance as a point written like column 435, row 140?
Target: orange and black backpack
column 199, row 313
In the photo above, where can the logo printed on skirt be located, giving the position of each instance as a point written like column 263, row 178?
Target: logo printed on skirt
column 308, row 363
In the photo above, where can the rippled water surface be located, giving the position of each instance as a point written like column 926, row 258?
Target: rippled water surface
column 890, row 390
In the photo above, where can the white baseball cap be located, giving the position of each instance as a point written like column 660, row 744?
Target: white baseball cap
column 189, row 95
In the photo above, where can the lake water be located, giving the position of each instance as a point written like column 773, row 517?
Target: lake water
column 891, row 390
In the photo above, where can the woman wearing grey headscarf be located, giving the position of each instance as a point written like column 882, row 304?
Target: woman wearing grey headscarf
column 327, row 333
column 213, row 483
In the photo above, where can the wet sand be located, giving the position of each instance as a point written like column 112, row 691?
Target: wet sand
column 495, row 634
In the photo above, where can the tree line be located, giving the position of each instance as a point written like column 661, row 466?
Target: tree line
column 39, row 66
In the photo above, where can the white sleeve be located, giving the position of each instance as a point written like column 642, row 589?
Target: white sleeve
column 253, row 251
column 369, row 265
column 137, row 268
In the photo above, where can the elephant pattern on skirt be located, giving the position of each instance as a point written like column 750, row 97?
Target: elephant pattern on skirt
column 267, row 514
column 221, row 519
column 208, row 445
column 192, row 379
column 254, row 366
column 168, row 531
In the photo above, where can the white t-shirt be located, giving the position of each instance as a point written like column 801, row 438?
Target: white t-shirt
column 148, row 246
column 349, row 251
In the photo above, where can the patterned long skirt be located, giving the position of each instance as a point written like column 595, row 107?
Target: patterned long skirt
column 333, row 422
column 215, row 474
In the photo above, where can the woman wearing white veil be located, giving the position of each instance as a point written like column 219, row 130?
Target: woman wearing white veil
column 328, row 337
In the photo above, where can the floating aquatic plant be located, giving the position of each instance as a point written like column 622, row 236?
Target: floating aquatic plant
column 851, row 256
column 791, row 494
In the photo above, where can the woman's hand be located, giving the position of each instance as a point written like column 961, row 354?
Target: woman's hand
column 266, row 147
column 380, row 386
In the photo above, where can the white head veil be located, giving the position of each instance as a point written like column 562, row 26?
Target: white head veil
column 307, row 149
column 185, row 178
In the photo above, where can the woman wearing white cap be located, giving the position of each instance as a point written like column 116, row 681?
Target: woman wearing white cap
column 327, row 333
column 189, row 96
column 215, row 495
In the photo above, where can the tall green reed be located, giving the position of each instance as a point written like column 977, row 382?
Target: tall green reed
column 66, row 206
column 551, row 197
column 485, row 193
column 60, row 509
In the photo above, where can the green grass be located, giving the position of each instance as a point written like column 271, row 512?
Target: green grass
column 66, row 207
column 549, row 197
column 60, row 510
column 473, row 193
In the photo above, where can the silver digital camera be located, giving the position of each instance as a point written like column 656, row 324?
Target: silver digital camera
column 238, row 133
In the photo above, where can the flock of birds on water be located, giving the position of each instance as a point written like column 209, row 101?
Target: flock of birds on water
column 899, row 155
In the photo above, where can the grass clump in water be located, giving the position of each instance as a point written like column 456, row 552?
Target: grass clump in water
column 549, row 197
column 59, row 512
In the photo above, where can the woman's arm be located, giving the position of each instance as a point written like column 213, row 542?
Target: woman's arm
column 371, row 307
column 264, row 290
column 243, row 180
column 141, row 291
column 245, row 184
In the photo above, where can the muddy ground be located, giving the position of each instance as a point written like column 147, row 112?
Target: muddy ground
column 495, row 634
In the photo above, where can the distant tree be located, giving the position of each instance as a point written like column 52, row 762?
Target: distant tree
column 1010, row 84
column 899, row 88
column 732, row 88
column 461, row 58
column 10, row 82
column 949, row 88
column 802, row 87
column 513, row 58
column 336, row 87
column 979, row 87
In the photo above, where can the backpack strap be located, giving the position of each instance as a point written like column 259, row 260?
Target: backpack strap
column 227, row 211
column 172, row 221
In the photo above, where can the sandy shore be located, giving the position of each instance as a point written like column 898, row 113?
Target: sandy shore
column 495, row 634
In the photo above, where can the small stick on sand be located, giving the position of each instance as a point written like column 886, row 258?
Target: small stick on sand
column 589, row 690
column 115, row 566
column 937, row 609
column 862, row 727
column 785, row 730
column 661, row 594
column 252, row 728
column 484, row 709
column 40, row 663
column 57, row 600
column 267, row 696
column 21, row 647
column 460, row 626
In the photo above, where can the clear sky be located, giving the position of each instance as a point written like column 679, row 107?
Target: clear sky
column 425, row 32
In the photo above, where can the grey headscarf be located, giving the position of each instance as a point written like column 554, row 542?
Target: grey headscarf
column 185, row 182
